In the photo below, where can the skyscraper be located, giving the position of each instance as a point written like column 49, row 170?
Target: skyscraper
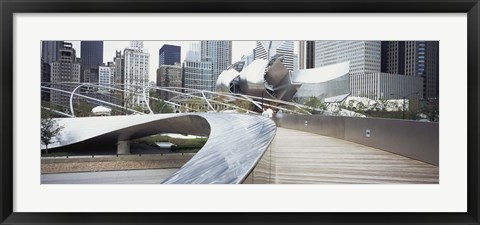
column 104, row 76
column 138, row 45
column 364, row 56
column 50, row 51
column 198, row 75
column 219, row 53
column 169, row 76
column 136, row 69
column 45, row 78
column 306, row 58
column 113, row 70
column 91, row 53
column 50, row 54
column 431, row 75
column 119, row 62
column 169, row 55
column 413, row 58
column 393, row 57
column 66, row 69
column 90, row 75
column 193, row 53
column 269, row 49
column 366, row 66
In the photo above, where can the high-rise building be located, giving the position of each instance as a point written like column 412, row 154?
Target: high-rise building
column 202, row 72
column 137, row 45
column 66, row 69
column 198, row 75
column 169, row 55
column 113, row 69
column 364, row 56
column 421, row 59
column 269, row 49
column 119, row 62
column 91, row 53
column 45, row 78
column 306, row 52
column 104, row 76
column 193, row 53
column 50, row 51
column 393, row 57
column 431, row 75
column 136, row 69
column 90, row 75
column 413, row 58
column 169, row 76
column 219, row 53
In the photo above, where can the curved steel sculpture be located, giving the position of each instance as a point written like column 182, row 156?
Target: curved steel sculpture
column 235, row 145
column 272, row 79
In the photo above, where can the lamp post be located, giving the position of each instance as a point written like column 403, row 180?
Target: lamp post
column 404, row 97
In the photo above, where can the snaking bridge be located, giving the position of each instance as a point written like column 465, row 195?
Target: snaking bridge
column 297, row 157
column 235, row 145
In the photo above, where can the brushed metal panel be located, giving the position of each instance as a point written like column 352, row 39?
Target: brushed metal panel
column 235, row 145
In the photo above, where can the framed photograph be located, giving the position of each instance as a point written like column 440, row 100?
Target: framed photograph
column 238, row 112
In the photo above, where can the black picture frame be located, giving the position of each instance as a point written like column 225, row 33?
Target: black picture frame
column 9, row 7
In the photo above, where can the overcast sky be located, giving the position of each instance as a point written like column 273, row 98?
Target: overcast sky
column 239, row 48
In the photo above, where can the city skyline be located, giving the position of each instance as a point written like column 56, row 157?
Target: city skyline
column 239, row 48
column 368, row 71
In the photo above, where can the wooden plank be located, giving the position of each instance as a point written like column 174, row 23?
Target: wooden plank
column 297, row 157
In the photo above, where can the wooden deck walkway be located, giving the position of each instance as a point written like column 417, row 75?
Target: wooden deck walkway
column 297, row 157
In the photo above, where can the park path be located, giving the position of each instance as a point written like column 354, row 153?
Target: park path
column 302, row 158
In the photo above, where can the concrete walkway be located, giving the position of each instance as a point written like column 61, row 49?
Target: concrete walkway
column 300, row 158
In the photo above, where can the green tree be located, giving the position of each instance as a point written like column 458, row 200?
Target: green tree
column 431, row 109
column 83, row 109
column 49, row 105
column 244, row 105
column 49, row 128
column 316, row 104
column 157, row 104
column 139, row 108
column 160, row 106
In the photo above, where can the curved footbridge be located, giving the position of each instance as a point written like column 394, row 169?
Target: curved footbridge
column 298, row 157
column 235, row 145
column 246, row 148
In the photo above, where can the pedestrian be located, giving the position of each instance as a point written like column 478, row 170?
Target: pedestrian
column 269, row 112
column 264, row 113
